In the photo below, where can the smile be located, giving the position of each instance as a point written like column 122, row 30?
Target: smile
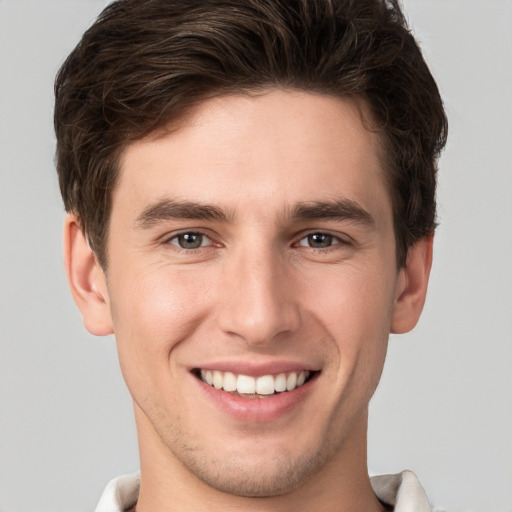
column 254, row 387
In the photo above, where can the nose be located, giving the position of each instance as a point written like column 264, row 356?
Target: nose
column 258, row 302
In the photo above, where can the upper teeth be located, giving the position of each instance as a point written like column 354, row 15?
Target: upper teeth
column 247, row 385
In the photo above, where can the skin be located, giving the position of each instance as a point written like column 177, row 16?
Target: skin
column 258, row 290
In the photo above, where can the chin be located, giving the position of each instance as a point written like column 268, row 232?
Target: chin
column 271, row 475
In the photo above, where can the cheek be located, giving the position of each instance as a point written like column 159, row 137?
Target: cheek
column 152, row 313
column 354, row 303
column 355, row 308
column 156, row 302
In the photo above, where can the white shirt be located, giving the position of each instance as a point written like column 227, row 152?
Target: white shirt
column 402, row 491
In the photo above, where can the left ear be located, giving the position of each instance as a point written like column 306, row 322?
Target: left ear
column 411, row 288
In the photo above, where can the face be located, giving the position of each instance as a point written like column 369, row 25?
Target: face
column 252, row 283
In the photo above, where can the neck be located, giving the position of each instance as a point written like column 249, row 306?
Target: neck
column 342, row 484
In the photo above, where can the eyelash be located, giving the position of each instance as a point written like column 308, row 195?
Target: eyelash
column 333, row 240
column 336, row 241
column 175, row 238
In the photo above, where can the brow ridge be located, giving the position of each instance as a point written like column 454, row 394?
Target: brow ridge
column 340, row 209
column 168, row 209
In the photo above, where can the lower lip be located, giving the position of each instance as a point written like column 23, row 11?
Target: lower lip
column 257, row 409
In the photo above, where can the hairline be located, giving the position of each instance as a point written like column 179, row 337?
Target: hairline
column 172, row 124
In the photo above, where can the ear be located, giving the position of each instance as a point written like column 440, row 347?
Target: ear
column 86, row 280
column 411, row 288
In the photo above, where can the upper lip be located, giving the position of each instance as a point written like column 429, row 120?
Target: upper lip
column 253, row 369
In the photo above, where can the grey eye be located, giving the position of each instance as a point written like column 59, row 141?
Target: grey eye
column 190, row 240
column 317, row 241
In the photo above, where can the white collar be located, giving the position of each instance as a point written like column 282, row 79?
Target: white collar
column 403, row 491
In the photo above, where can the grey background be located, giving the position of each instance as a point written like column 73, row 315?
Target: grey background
column 444, row 407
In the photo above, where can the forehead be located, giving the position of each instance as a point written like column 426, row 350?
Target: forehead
column 294, row 145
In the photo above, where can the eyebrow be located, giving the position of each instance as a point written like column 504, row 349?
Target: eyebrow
column 168, row 209
column 340, row 209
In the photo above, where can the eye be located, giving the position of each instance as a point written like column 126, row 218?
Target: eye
column 319, row 241
column 190, row 240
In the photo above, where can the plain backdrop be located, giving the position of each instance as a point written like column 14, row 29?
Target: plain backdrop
column 444, row 406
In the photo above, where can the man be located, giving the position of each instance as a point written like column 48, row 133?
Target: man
column 251, row 198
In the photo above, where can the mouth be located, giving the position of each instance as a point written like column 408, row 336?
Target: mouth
column 246, row 386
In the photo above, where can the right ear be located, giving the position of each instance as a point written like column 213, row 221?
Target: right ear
column 86, row 279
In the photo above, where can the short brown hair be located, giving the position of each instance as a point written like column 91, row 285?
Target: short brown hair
column 143, row 63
